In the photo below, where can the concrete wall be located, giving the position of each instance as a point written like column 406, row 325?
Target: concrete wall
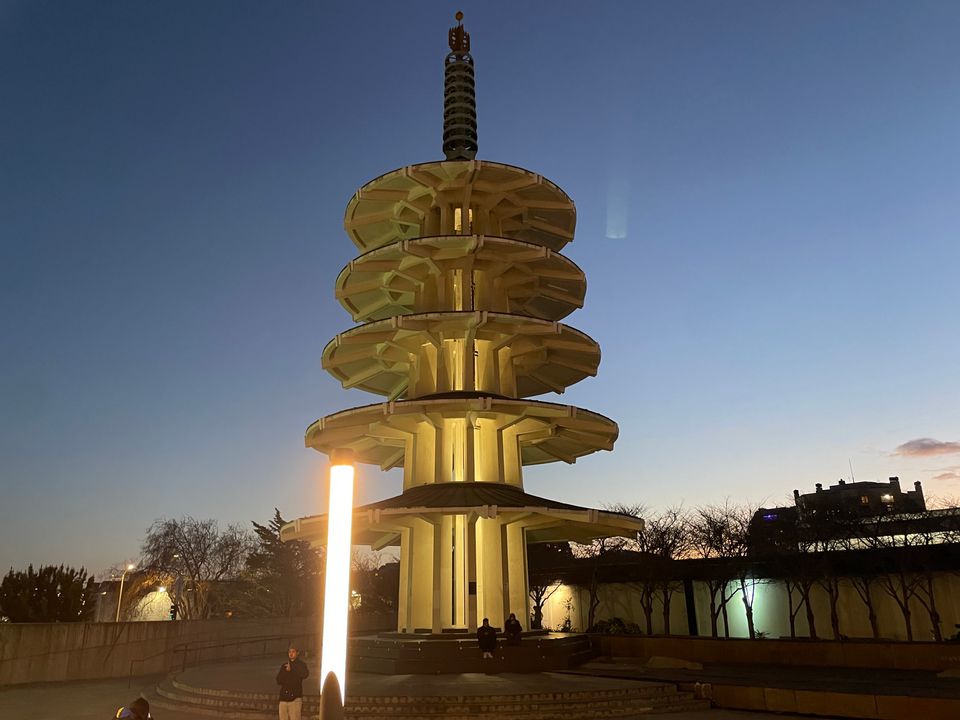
column 770, row 608
column 47, row 652
column 849, row 653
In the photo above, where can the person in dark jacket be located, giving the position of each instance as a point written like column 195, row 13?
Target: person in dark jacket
column 290, row 678
column 139, row 709
column 487, row 639
column 512, row 628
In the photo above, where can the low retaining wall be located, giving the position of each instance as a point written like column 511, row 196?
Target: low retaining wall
column 830, row 653
column 50, row 652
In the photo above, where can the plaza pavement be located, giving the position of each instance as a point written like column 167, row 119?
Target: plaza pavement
column 99, row 700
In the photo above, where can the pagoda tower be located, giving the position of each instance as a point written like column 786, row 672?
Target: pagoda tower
column 460, row 289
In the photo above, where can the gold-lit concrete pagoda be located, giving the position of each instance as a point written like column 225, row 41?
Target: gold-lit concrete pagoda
column 461, row 289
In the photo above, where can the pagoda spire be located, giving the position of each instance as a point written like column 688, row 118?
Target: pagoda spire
column 459, row 97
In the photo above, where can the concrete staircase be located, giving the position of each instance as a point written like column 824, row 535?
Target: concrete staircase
column 632, row 700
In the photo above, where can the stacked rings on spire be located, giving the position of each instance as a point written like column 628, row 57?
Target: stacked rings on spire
column 459, row 98
column 459, row 108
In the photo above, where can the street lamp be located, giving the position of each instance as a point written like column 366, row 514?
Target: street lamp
column 120, row 595
column 336, row 592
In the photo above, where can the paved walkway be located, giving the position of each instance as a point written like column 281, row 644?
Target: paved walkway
column 258, row 676
column 873, row 681
column 86, row 699
column 99, row 699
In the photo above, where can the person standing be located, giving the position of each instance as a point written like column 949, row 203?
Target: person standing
column 290, row 678
column 487, row 639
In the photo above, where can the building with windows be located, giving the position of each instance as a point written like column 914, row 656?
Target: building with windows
column 864, row 499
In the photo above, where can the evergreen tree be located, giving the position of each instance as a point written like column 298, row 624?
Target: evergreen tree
column 50, row 594
column 285, row 576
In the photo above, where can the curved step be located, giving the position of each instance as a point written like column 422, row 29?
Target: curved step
column 178, row 697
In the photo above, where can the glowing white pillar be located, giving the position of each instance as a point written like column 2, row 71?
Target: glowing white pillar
column 336, row 592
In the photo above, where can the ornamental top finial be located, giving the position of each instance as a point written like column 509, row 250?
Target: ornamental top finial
column 459, row 39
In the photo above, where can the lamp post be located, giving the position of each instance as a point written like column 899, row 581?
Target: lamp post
column 120, row 595
column 336, row 592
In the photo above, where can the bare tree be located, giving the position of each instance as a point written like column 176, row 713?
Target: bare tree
column 544, row 561
column 896, row 577
column 374, row 581
column 910, row 561
column 193, row 556
column 720, row 532
column 540, row 592
column 664, row 538
column 863, row 583
column 822, row 535
column 597, row 554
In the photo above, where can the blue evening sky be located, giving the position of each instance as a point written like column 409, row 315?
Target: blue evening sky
column 769, row 211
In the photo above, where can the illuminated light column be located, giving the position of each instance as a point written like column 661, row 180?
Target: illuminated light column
column 336, row 592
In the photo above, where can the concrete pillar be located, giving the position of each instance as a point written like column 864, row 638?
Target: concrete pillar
column 405, row 604
column 436, row 576
column 471, row 533
column 517, row 554
column 446, row 531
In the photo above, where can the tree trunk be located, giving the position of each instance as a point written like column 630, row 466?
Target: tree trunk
column 748, row 609
column 713, row 612
column 905, row 609
column 811, row 619
column 594, row 599
column 932, row 610
column 874, row 625
column 665, row 596
column 790, row 611
column 833, row 589
column 862, row 586
column 726, row 620
column 904, row 602
column 536, row 622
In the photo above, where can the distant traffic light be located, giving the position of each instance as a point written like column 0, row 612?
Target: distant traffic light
column 173, row 611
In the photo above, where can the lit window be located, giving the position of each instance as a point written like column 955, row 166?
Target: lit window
column 458, row 220
column 864, row 500
column 886, row 498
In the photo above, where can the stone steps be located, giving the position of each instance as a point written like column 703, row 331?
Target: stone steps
column 627, row 702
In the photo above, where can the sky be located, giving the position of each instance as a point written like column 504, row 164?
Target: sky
column 768, row 201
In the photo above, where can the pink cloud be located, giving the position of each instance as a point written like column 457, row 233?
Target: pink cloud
column 949, row 475
column 926, row 447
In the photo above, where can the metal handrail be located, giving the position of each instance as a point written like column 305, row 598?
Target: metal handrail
column 198, row 646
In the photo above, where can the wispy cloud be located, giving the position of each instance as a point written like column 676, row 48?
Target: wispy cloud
column 927, row 447
column 949, row 473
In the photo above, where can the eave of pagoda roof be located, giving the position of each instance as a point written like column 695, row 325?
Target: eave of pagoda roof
column 381, row 523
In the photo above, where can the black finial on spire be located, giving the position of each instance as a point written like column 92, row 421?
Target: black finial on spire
column 459, row 39
column 459, row 97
